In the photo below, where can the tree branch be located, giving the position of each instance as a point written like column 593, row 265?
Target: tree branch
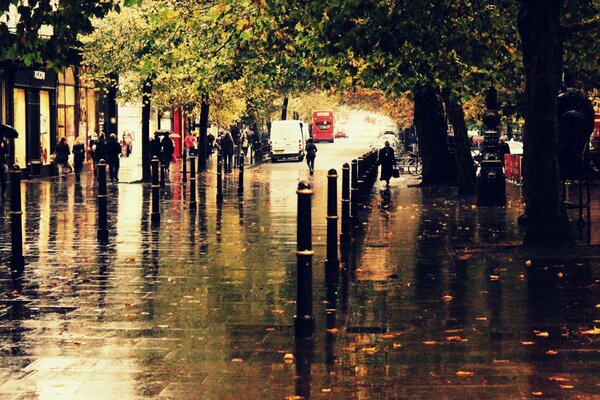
column 582, row 26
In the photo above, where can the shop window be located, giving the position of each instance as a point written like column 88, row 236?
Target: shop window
column 20, row 124
column 45, row 126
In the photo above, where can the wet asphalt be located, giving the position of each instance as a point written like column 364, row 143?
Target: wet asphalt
column 202, row 306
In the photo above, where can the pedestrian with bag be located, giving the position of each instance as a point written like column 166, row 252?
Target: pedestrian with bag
column 311, row 154
column 113, row 152
column 99, row 150
column 78, row 157
column 62, row 157
column 387, row 159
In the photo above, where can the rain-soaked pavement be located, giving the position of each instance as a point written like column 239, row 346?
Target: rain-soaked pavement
column 202, row 307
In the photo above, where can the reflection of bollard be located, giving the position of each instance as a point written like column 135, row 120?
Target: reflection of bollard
column 304, row 355
column 354, row 193
column 219, row 178
column 155, row 215
column 184, row 166
column 304, row 324
column 17, row 261
column 345, row 234
column 241, row 176
column 102, row 203
column 332, row 262
column 192, row 182
column 162, row 175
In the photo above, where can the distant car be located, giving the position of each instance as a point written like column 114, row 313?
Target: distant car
column 340, row 134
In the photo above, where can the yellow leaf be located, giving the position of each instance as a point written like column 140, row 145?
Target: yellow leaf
column 396, row 345
column 594, row 331
column 464, row 373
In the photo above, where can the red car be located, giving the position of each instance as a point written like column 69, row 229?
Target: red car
column 340, row 134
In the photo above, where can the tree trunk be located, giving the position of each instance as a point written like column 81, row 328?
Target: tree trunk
column 432, row 133
column 111, row 113
column 465, row 168
column 202, row 143
column 540, row 30
column 284, row 109
column 146, row 93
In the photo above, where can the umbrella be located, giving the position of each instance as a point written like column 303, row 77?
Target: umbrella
column 8, row 132
column 162, row 132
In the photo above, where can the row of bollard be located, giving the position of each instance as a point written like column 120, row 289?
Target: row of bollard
column 357, row 181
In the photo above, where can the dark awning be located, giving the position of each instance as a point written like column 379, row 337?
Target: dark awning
column 8, row 132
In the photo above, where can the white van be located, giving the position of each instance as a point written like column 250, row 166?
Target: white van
column 288, row 139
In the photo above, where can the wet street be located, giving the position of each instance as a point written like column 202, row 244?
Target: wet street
column 202, row 307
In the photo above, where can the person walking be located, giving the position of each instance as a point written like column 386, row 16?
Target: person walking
column 113, row 152
column 154, row 147
column 244, row 143
column 3, row 168
column 210, row 143
column 227, row 148
column 99, row 150
column 190, row 144
column 62, row 157
column 311, row 154
column 167, row 151
column 78, row 157
column 387, row 160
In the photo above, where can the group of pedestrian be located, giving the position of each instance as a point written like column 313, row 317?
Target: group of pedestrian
column 162, row 149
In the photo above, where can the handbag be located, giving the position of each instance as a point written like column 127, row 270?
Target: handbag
column 395, row 171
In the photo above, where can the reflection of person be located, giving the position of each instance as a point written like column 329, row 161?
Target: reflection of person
column 62, row 157
column 387, row 160
column 78, row 157
column 113, row 151
column 167, row 151
column 311, row 154
column 227, row 151
column 3, row 167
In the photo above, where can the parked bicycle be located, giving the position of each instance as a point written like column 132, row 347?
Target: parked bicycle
column 410, row 163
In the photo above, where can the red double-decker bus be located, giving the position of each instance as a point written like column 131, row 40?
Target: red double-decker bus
column 322, row 127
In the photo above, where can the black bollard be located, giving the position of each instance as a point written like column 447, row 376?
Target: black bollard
column 241, row 176
column 184, row 166
column 219, row 178
column 162, row 175
column 304, row 324
column 360, row 183
column 354, row 193
column 17, row 261
column 102, row 199
column 155, row 215
column 345, row 234
column 192, row 182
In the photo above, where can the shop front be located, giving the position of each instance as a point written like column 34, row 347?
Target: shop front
column 30, row 109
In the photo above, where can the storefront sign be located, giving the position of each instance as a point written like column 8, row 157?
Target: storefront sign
column 40, row 75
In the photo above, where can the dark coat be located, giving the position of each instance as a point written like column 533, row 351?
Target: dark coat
column 100, row 152
column 154, row 148
column 113, row 149
column 62, row 153
column 78, row 154
column 167, row 146
column 387, row 161
column 311, row 150
column 226, row 145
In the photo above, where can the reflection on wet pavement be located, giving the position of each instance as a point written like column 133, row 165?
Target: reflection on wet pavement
column 202, row 307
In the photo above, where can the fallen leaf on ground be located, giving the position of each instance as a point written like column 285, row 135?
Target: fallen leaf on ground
column 566, row 386
column 237, row 360
column 456, row 339
column 542, row 334
column 396, row 345
column 325, row 390
column 447, row 298
column 464, row 373
column 494, row 277
column 537, row 393
column 369, row 350
column 429, row 342
column 481, row 318
column 526, row 343
column 594, row 331
column 559, row 379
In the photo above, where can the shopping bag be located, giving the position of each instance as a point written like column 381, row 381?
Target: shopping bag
column 396, row 172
